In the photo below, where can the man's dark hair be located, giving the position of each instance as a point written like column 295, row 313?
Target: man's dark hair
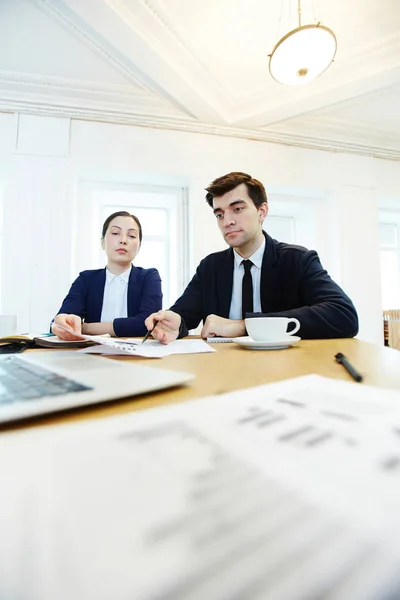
column 228, row 182
column 121, row 213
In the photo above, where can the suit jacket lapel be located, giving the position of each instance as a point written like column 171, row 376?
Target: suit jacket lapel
column 98, row 295
column 268, row 276
column 133, row 291
column 225, row 283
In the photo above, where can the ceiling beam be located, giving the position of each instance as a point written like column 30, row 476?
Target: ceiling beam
column 132, row 37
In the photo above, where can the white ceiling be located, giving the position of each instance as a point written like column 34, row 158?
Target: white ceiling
column 202, row 65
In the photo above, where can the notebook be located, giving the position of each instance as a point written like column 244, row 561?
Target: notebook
column 19, row 343
column 36, row 383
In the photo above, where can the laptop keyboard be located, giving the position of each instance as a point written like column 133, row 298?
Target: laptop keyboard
column 21, row 381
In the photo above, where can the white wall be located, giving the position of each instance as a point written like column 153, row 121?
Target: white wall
column 41, row 201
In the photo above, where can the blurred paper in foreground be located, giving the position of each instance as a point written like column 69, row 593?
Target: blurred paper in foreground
column 288, row 491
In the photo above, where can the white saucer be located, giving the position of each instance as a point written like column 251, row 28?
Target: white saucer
column 285, row 342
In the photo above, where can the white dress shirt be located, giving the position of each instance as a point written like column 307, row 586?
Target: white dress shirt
column 115, row 299
column 235, row 311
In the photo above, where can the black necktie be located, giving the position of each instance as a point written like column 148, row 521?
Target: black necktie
column 247, row 289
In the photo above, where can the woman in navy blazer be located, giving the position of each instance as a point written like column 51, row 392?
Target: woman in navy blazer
column 91, row 295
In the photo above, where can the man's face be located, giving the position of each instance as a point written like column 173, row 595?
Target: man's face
column 238, row 219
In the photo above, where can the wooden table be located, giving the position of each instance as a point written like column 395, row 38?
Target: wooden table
column 232, row 367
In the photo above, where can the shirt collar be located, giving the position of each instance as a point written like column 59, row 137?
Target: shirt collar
column 255, row 258
column 124, row 276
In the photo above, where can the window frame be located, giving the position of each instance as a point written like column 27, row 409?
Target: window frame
column 2, row 186
column 389, row 216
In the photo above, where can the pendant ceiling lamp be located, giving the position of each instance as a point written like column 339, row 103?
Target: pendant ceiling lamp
column 303, row 53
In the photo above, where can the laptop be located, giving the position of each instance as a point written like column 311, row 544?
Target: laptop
column 37, row 383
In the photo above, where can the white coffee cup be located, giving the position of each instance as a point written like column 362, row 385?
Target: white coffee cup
column 8, row 325
column 263, row 329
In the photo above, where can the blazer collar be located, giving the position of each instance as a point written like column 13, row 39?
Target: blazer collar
column 270, row 256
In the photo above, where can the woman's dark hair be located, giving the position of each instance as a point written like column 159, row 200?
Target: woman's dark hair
column 121, row 213
column 228, row 182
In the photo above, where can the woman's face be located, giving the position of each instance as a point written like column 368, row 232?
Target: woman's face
column 121, row 241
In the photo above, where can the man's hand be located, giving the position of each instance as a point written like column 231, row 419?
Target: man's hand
column 72, row 322
column 218, row 326
column 167, row 324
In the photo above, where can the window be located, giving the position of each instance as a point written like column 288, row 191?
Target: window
column 294, row 219
column 301, row 219
column 390, row 260
column 162, row 212
column 1, row 242
column 281, row 228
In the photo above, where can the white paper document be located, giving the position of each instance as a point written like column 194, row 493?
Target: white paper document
column 288, row 491
column 150, row 349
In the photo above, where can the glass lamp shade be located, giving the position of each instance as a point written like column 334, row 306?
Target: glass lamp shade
column 302, row 54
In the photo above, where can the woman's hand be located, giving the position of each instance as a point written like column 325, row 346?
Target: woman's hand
column 72, row 322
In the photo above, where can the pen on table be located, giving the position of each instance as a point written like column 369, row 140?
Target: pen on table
column 149, row 332
column 342, row 360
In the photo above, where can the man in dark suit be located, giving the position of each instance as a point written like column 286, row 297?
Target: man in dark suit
column 255, row 275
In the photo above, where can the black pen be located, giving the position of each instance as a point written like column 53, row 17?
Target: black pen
column 342, row 360
column 149, row 332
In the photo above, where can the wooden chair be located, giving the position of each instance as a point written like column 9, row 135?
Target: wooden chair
column 391, row 328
